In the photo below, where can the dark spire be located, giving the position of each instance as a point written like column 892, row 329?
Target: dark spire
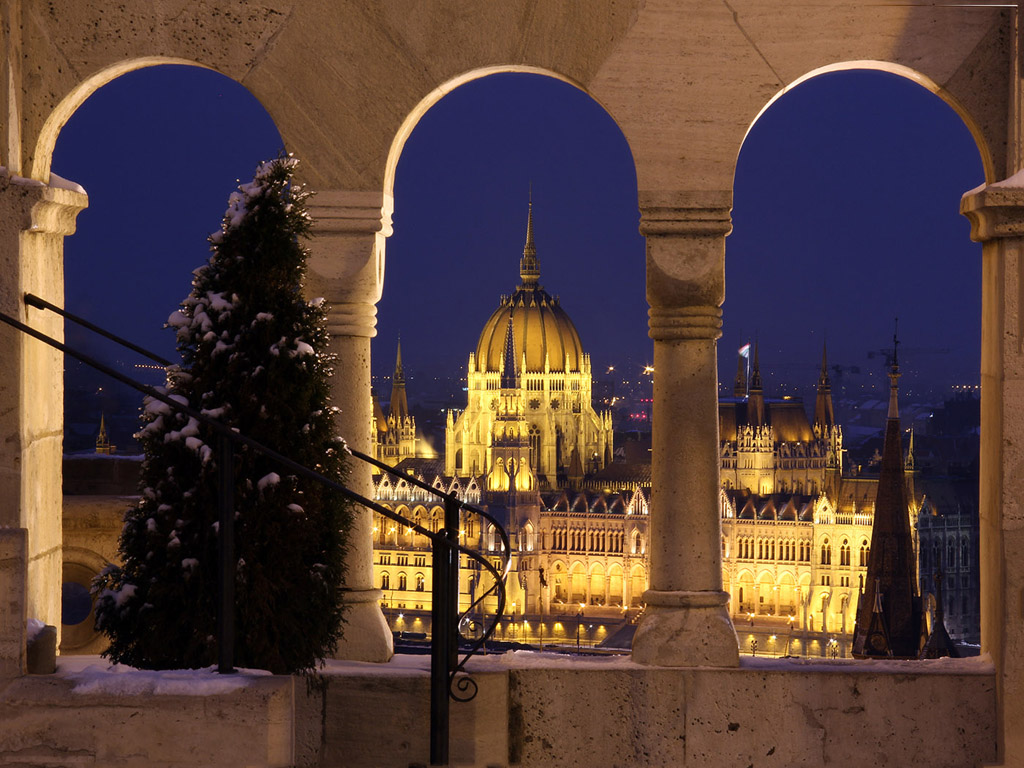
column 892, row 569
column 529, row 265
column 739, row 388
column 755, row 394
column 399, row 403
column 824, row 415
column 508, row 359
column 939, row 642
column 755, row 374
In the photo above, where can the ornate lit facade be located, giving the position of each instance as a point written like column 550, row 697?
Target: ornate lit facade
column 795, row 533
column 529, row 408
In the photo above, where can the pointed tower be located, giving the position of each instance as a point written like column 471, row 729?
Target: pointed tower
column 891, row 583
column 739, row 387
column 824, row 415
column 939, row 642
column 509, row 379
column 399, row 409
column 755, row 397
column 102, row 441
column 529, row 265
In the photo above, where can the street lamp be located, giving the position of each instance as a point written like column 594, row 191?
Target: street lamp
column 773, row 638
column 579, row 619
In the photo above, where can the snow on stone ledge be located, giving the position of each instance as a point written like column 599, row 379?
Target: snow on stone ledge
column 1016, row 181
column 414, row 665
column 61, row 183
column 90, row 675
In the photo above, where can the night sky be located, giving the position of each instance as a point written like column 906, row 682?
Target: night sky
column 845, row 216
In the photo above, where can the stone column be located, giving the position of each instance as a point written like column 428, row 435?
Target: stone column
column 34, row 219
column 346, row 267
column 687, row 618
column 996, row 213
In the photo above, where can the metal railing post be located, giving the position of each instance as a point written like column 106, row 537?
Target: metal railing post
column 226, row 555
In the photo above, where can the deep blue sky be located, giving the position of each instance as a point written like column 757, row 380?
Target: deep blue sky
column 845, row 215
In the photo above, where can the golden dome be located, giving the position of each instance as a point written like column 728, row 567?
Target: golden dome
column 541, row 328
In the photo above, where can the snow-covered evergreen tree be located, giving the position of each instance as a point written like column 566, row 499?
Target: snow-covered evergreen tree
column 254, row 356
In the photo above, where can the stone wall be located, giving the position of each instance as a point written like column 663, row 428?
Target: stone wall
column 532, row 711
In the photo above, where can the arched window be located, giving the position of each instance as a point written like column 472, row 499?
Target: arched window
column 844, row 553
column 403, row 582
column 535, row 448
column 964, row 558
column 826, row 553
column 385, row 581
column 421, row 582
column 863, row 552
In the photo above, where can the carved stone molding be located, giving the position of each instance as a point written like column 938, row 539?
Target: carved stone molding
column 996, row 210
column 669, row 324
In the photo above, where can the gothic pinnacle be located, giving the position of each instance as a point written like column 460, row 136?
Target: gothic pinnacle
column 529, row 265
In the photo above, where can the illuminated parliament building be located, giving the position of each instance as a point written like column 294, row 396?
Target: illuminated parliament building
column 530, row 448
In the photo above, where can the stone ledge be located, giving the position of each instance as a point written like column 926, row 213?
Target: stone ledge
column 533, row 709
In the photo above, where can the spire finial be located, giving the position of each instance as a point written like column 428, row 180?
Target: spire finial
column 508, row 367
column 755, row 374
column 529, row 265
column 399, row 373
column 894, row 374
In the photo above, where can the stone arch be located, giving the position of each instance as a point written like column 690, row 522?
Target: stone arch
column 615, row 584
column 637, row 584
column 46, row 140
column 908, row 73
column 598, row 584
column 745, row 592
column 578, row 583
column 434, row 96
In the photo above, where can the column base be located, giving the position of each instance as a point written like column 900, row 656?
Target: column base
column 686, row 629
column 365, row 633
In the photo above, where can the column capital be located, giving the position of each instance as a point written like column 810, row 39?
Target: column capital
column 350, row 212
column 346, row 253
column 674, row 221
column 685, row 212
column 672, row 323
column 45, row 210
column 352, row 319
column 996, row 210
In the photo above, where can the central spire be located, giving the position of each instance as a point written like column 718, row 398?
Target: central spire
column 894, row 376
column 529, row 266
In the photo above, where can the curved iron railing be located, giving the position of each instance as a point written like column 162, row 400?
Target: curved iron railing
column 446, row 680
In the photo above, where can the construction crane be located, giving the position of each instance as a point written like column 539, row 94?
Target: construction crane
column 910, row 351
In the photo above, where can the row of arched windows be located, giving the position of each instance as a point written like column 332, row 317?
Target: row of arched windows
column 580, row 540
column 403, row 582
column 932, row 558
column 787, row 550
column 845, row 556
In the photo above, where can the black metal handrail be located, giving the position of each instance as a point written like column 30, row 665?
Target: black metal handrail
column 445, row 664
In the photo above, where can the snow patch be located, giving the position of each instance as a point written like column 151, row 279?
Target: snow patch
column 61, row 183
column 268, row 480
column 121, row 680
column 32, row 628
column 1015, row 181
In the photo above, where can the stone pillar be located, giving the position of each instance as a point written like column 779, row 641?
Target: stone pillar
column 34, row 219
column 13, row 607
column 996, row 213
column 687, row 618
column 346, row 267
